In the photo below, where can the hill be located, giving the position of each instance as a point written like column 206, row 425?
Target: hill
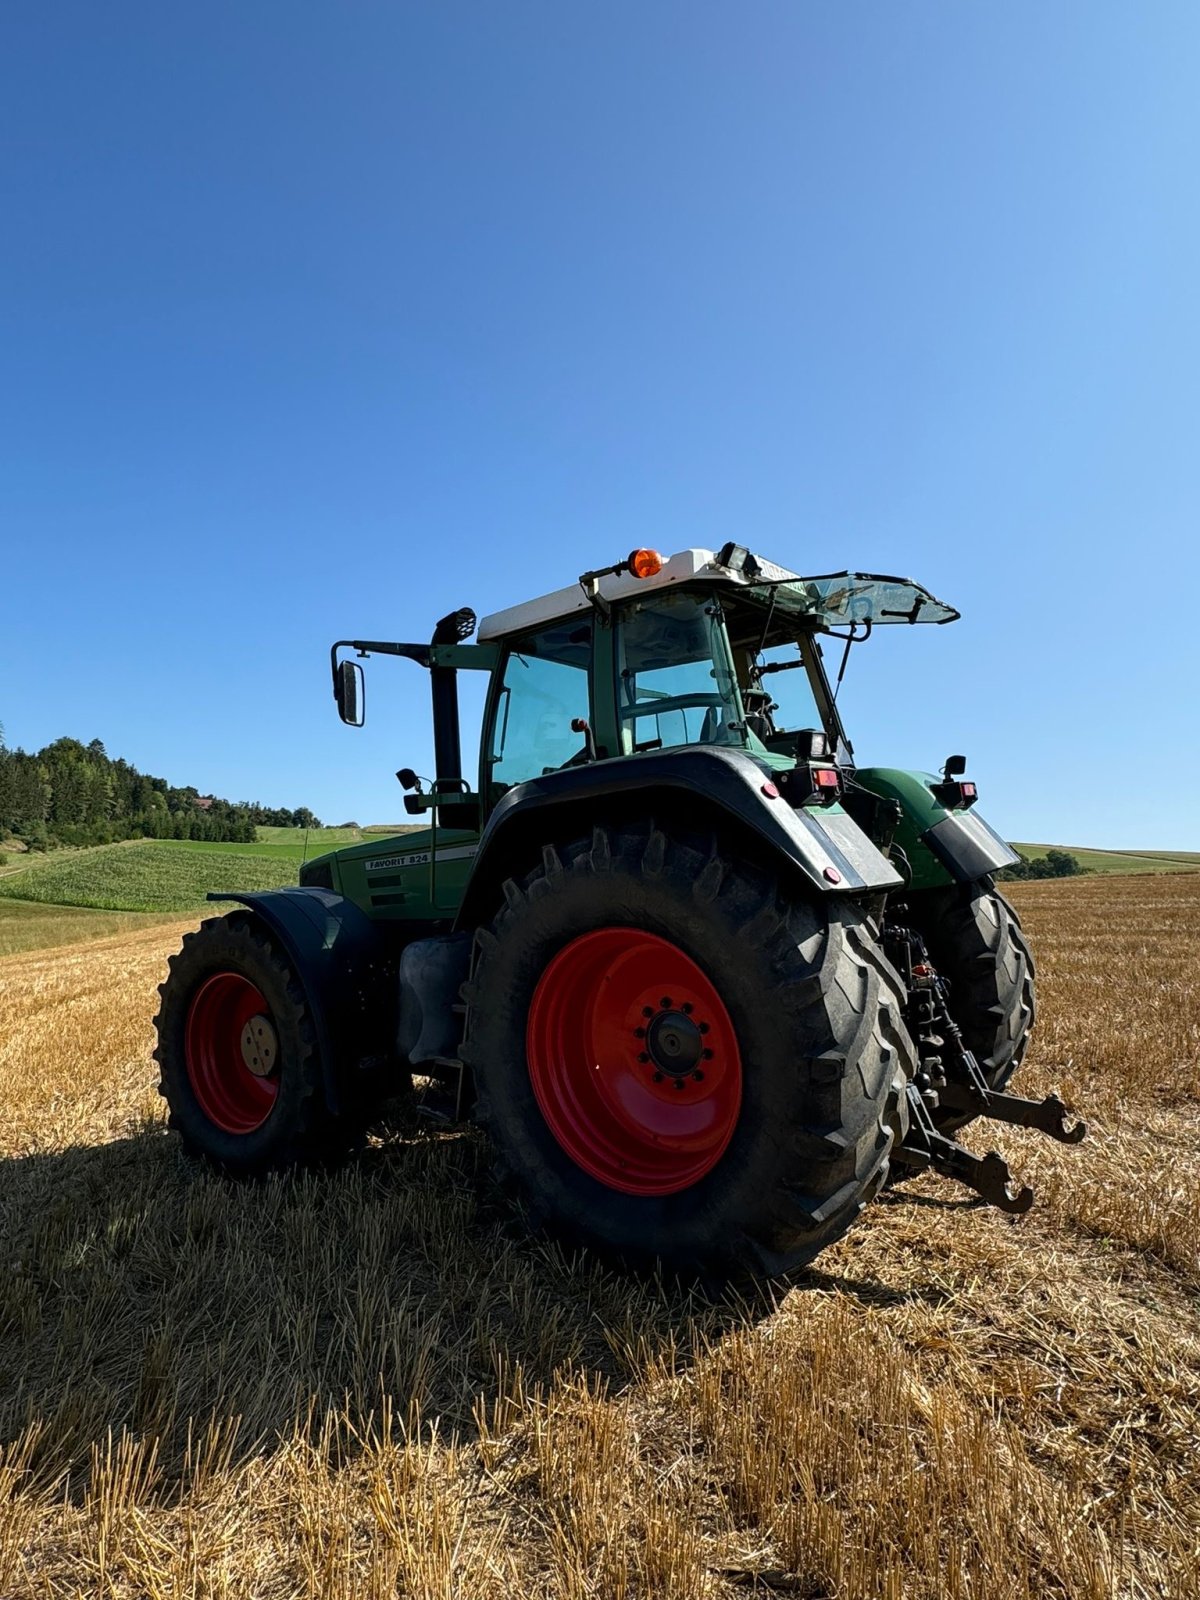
column 175, row 875
column 1119, row 860
column 147, row 875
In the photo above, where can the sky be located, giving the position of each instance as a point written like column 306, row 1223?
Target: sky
column 322, row 320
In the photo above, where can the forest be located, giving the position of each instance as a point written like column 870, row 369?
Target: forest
column 77, row 794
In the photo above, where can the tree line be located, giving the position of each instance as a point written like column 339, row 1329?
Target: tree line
column 72, row 793
column 1054, row 864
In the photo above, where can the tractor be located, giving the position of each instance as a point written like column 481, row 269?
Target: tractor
column 705, row 982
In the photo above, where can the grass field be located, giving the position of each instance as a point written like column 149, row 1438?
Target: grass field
column 160, row 875
column 156, row 875
column 165, row 876
column 1120, row 860
column 147, row 875
column 367, row 1384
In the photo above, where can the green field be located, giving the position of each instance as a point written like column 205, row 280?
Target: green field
column 1119, row 860
column 319, row 839
column 291, row 844
column 147, row 875
column 68, row 896
column 165, row 875
column 72, row 895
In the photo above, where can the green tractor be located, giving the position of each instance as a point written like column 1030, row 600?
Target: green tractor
column 705, row 982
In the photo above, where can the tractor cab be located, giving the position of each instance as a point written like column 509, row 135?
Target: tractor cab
column 657, row 654
column 636, row 663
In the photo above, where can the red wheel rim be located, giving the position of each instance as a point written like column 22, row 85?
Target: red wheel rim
column 634, row 1061
column 218, row 1047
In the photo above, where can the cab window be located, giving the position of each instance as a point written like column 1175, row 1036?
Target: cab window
column 675, row 678
column 544, row 688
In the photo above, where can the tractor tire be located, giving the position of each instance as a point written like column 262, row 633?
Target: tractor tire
column 678, row 1065
column 975, row 941
column 237, row 1054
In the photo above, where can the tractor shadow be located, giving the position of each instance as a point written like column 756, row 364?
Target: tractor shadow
column 139, row 1291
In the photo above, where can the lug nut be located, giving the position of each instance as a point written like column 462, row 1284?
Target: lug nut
column 698, row 1075
column 639, row 1033
column 647, row 1011
column 665, row 1002
column 687, row 1008
column 707, row 1054
column 679, row 1083
column 703, row 1026
column 643, row 1058
column 658, row 1077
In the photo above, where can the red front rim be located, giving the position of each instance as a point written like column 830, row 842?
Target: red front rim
column 218, row 1046
column 634, row 1061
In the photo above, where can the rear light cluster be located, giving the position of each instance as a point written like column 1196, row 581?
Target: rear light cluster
column 814, row 781
column 957, row 796
column 813, row 785
column 954, row 792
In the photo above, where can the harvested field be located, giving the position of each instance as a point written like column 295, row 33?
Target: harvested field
column 367, row 1384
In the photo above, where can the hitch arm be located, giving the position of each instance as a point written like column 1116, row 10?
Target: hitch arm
column 1047, row 1116
column 988, row 1175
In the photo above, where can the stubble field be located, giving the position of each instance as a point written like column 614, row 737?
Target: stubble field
column 368, row 1384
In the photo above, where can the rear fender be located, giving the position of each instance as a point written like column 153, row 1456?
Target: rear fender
column 339, row 961
column 941, row 846
column 704, row 787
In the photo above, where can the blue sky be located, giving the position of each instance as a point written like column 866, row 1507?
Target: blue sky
column 320, row 320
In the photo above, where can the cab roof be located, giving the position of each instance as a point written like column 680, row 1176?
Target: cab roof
column 831, row 600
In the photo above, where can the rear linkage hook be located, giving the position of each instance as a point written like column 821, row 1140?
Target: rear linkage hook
column 960, row 1085
column 1048, row 1116
column 988, row 1175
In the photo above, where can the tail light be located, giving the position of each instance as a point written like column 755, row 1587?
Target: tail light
column 956, row 794
column 812, row 785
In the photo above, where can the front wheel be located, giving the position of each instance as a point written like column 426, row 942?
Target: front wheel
column 677, row 1063
column 240, row 1070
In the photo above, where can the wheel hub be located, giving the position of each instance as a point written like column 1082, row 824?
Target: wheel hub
column 674, row 1043
column 232, row 1052
column 260, row 1047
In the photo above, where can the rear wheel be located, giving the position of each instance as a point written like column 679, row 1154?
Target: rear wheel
column 240, row 1070
column 975, row 941
column 678, row 1064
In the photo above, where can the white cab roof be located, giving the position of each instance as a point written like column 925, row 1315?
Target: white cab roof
column 688, row 566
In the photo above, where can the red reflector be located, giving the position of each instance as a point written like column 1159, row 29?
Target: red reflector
column 771, row 792
column 968, row 791
column 825, row 777
column 833, row 875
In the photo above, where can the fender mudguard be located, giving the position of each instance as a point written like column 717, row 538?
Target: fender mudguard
column 335, row 951
column 697, row 784
column 941, row 846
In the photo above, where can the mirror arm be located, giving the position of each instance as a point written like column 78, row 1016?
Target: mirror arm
column 420, row 653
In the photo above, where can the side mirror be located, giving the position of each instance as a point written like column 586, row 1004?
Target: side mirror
column 350, row 693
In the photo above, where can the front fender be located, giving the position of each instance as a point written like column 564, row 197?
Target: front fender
column 335, row 951
column 942, row 846
column 701, row 786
